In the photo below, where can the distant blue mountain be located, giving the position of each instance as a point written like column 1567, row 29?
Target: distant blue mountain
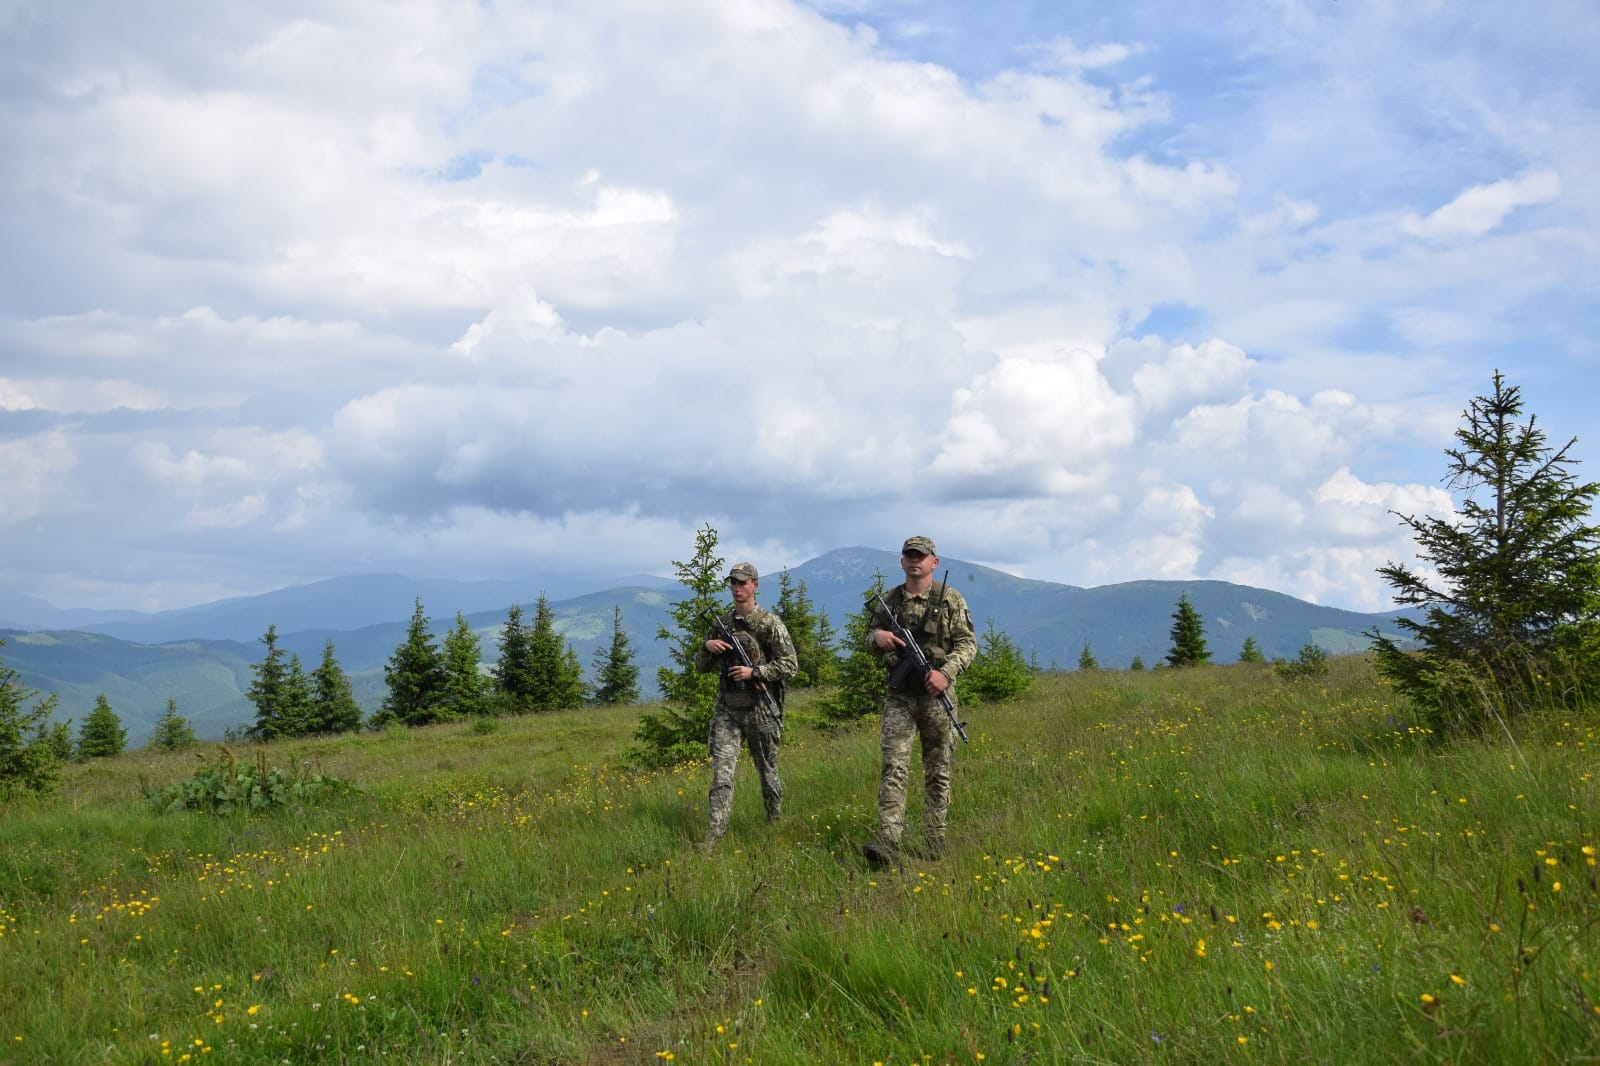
column 336, row 605
column 202, row 656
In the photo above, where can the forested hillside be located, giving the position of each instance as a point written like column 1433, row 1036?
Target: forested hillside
column 208, row 676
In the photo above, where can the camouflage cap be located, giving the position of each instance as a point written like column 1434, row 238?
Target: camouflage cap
column 918, row 544
column 743, row 572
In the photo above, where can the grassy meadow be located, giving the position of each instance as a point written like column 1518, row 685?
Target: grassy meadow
column 1209, row 865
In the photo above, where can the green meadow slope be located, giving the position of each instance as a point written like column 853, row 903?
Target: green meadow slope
column 1172, row 866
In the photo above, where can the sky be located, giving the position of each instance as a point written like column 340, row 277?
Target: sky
column 1087, row 292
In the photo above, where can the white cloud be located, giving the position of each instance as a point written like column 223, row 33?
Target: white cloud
column 74, row 395
column 1483, row 207
column 37, row 469
column 1190, row 374
column 295, row 292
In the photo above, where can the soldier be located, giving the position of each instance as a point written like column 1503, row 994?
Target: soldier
column 938, row 616
column 741, row 711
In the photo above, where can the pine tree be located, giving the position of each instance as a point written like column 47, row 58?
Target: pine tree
column 299, row 698
column 466, row 694
column 616, row 676
column 1086, row 659
column 102, row 734
column 553, row 683
column 1517, row 602
column 1251, row 652
column 29, row 761
column 862, row 680
column 173, row 731
column 1137, row 664
column 58, row 741
column 415, row 674
column 678, row 731
column 267, row 690
column 1188, row 636
column 825, row 668
column 513, row 672
column 571, row 692
column 809, row 630
column 333, row 703
column 999, row 672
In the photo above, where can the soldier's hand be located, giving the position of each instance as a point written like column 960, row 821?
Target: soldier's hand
column 717, row 647
column 936, row 682
column 884, row 640
column 740, row 672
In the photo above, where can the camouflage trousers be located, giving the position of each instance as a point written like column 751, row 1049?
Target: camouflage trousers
column 907, row 718
column 730, row 726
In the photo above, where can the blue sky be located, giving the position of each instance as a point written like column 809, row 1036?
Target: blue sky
column 1090, row 292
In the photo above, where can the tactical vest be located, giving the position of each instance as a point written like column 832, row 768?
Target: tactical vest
column 742, row 693
column 928, row 620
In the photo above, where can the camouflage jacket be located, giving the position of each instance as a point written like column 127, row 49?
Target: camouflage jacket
column 945, row 636
column 765, row 640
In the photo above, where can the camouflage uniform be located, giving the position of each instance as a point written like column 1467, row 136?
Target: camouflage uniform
column 738, row 716
column 947, row 639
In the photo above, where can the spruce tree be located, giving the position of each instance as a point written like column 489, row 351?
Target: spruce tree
column 862, row 679
column 267, row 690
column 825, row 667
column 998, row 672
column 678, row 731
column 809, row 630
column 616, row 676
column 571, row 691
column 1251, row 652
column 415, row 675
column 1137, row 664
column 513, row 671
column 333, row 703
column 58, row 741
column 466, row 695
column 553, row 683
column 1086, row 659
column 29, row 761
column 1515, row 612
column 1188, row 636
column 299, row 698
column 173, row 731
column 102, row 734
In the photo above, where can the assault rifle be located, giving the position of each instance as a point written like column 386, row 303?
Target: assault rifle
column 766, row 706
column 913, row 663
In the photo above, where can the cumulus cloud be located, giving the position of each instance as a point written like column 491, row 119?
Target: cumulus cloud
column 307, row 291
column 36, row 476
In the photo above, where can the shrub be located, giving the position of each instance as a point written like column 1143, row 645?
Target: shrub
column 860, row 682
column 1311, row 662
column 998, row 673
column 30, row 760
column 102, row 735
column 225, row 785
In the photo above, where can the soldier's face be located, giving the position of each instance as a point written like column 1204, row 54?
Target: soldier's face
column 916, row 564
column 743, row 592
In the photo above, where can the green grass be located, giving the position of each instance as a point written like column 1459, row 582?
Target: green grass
column 1166, row 866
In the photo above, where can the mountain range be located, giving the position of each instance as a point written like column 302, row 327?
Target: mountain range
column 202, row 656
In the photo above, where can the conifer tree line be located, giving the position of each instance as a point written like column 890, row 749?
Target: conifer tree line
column 428, row 680
column 292, row 703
